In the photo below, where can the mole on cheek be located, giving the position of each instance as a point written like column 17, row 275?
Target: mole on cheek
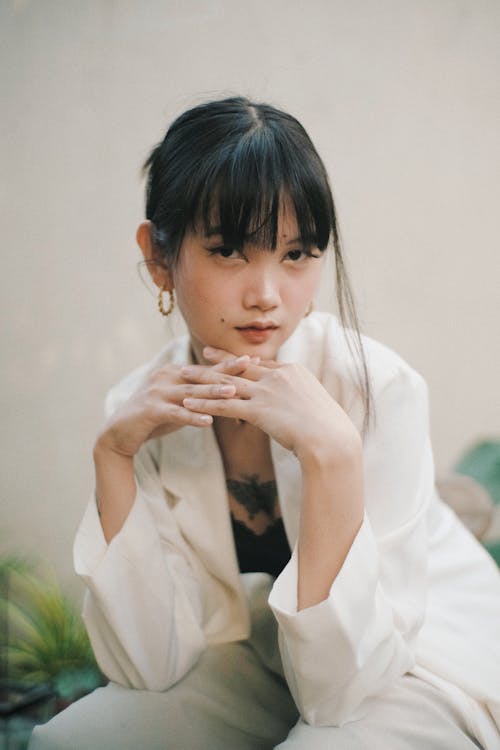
column 222, row 320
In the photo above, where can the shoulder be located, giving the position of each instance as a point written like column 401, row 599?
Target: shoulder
column 327, row 347
column 329, row 350
column 175, row 352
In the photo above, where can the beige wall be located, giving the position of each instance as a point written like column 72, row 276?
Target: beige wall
column 402, row 100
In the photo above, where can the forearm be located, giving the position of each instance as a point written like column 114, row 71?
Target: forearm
column 331, row 515
column 115, row 488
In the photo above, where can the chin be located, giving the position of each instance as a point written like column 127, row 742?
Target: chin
column 237, row 347
column 264, row 351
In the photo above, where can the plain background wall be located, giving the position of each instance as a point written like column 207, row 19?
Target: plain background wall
column 401, row 98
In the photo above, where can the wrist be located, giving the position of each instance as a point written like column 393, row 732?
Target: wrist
column 115, row 487
column 104, row 450
column 328, row 452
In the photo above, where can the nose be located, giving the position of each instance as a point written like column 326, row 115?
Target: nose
column 261, row 288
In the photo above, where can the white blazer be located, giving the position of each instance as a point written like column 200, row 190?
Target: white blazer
column 416, row 592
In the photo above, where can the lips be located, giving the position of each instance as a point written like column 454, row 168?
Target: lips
column 257, row 332
column 258, row 326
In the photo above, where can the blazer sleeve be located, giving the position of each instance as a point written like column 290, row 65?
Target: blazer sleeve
column 143, row 606
column 339, row 654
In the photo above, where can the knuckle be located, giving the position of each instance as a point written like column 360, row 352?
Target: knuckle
column 244, row 389
column 153, row 393
column 151, row 412
column 229, row 364
column 175, row 413
column 199, row 376
column 155, row 403
column 157, row 375
column 166, row 414
column 149, row 401
column 153, row 377
column 224, row 365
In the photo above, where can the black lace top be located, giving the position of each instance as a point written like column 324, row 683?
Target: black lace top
column 268, row 552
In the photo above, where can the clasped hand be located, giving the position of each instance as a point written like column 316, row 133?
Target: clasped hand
column 286, row 401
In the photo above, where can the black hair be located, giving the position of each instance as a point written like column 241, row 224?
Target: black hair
column 231, row 163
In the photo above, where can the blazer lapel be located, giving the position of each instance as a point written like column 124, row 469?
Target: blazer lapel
column 192, row 472
column 289, row 483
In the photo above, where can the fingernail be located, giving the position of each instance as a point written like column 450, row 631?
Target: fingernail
column 255, row 360
column 209, row 351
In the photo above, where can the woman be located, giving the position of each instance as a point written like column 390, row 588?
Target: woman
column 266, row 557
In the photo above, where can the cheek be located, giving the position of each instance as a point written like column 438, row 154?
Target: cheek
column 188, row 286
column 207, row 297
column 301, row 290
column 199, row 299
column 311, row 283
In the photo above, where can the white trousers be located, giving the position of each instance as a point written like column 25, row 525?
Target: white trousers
column 236, row 698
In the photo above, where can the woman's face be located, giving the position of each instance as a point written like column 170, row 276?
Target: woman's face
column 249, row 301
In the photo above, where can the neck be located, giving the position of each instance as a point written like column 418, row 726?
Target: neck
column 197, row 352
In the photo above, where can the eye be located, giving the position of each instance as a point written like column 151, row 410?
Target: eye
column 226, row 252
column 297, row 255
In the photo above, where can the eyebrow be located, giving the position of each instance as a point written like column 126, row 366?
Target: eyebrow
column 215, row 231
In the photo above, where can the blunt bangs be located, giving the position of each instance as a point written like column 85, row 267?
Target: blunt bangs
column 235, row 168
column 246, row 187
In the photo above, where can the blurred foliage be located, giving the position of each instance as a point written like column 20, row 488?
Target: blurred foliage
column 482, row 463
column 43, row 636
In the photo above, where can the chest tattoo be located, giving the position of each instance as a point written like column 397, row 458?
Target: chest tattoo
column 254, row 495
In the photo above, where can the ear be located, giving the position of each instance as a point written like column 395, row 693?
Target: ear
column 156, row 267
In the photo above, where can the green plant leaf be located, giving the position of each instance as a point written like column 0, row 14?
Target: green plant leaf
column 47, row 638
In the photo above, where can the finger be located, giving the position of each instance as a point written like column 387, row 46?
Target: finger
column 231, row 408
column 223, row 358
column 235, row 366
column 216, row 355
column 270, row 364
column 173, row 414
column 162, row 396
column 225, row 363
column 198, row 376
column 218, row 390
column 256, row 371
column 203, row 374
column 192, row 417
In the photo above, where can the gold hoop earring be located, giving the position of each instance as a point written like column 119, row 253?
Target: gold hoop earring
column 171, row 302
column 309, row 310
